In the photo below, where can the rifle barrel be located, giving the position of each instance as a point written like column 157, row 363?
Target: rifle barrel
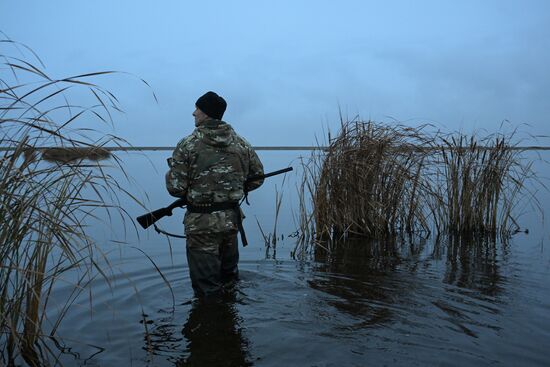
column 274, row 173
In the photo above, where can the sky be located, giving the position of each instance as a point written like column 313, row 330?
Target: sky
column 286, row 68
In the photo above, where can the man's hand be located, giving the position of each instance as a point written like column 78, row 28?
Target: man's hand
column 171, row 191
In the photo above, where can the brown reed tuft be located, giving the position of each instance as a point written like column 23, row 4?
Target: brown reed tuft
column 66, row 155
column 481, row 180
column 376, row 180
column 371, row 182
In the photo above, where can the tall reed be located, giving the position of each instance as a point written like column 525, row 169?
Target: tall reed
column 371, row 182
column 481, row 179
column 44, row 203
column 376, row 180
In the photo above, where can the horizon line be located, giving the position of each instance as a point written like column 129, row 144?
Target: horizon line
column 297, row 147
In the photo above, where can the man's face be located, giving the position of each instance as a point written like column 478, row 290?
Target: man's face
column 199, row 116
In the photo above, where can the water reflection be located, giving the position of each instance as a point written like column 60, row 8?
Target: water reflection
column 214, row 335
column 395, row 280
column 364, row 278
column 473, row 263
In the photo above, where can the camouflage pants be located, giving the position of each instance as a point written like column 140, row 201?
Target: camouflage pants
column 212, row 259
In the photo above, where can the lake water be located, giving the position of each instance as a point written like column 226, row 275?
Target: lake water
column 415, row 303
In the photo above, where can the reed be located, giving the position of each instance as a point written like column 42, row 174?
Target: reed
column 43, row 205
column 377, row 181
column 66, row 155
column 270, row 238
column 305, row 234
column 370, row 182
column 481, row 180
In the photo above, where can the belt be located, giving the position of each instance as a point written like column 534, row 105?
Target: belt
column 206, row 208
column 212, row 207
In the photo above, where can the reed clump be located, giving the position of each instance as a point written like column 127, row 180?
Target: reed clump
column 377, row 180
column 71, row 154
column 481, row 180
column 371, row 182
column 44, row 206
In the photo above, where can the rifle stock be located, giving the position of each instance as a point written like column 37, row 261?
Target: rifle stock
column 147, row 220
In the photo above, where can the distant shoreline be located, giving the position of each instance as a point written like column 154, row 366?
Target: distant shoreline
column 112, row 149
column 170, row 148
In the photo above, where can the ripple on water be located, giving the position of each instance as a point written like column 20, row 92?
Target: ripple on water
column 396, row 310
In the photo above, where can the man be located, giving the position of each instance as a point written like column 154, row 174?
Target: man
column 209, row 168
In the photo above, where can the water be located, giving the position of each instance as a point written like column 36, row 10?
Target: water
column 413, row 303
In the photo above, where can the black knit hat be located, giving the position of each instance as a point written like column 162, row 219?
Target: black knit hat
column 212, row 105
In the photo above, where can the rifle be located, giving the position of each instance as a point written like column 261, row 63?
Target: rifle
column 146, row 220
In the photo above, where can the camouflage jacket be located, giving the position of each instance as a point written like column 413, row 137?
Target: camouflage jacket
column 212, row 165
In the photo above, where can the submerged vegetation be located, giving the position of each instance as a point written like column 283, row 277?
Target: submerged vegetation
column 46, row 198
column 375, row 180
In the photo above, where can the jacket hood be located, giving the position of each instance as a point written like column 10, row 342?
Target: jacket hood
column 215, row 133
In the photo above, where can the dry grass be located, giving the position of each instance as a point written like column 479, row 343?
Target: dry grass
column 481, row 180
column 44, row 206
column 370, row 182
column 377, row 180
column 66, row 155
column 270, row 238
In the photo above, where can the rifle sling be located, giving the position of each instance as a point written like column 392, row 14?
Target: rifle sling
column 160, row 231
column 207, row 208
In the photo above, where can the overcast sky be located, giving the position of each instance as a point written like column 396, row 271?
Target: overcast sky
column 285, row 67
